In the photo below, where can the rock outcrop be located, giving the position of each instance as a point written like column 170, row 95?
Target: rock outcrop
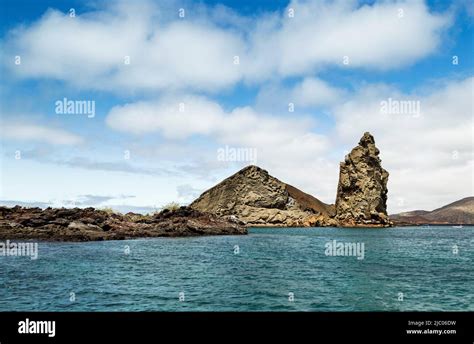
column 258, row 199
column 361, row 199
column 90, row 224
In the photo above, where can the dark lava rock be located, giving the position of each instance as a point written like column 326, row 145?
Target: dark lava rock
column 90, row 224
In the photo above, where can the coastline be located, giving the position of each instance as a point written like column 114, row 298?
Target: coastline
column 89, row 224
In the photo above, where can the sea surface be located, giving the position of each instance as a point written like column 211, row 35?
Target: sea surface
column 404, row 269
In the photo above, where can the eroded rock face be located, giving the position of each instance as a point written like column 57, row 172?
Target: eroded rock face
column 91, row 224
column 362, row 190
column 258, row 199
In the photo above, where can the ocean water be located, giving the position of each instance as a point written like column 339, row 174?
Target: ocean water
column 411, row 268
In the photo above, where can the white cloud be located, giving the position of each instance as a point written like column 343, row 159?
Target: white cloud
column 289, row 140
column 90, row 50
column 39, row 133
column 201, row 116
column 323, row 33
column 175, row 118
column 316, row 92
column 197, row 52
column 311, row 92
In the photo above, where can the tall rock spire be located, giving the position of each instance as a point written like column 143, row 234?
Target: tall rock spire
column 361, row 199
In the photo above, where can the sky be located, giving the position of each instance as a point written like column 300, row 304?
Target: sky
column 136, row 104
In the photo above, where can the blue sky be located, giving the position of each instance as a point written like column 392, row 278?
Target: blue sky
column 335, row 62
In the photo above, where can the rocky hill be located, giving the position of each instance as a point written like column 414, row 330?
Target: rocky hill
column 255, row 197
column 457, row 213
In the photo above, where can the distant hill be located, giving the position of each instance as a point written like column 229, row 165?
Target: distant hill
column 457, row 213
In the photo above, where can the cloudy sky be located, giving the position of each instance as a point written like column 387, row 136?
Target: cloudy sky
column 171, row 85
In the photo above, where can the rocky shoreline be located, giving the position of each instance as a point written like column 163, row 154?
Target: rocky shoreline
column 89, row 224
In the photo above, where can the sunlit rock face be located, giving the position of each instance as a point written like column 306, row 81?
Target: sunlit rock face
column 255, row 197
column 361, row 199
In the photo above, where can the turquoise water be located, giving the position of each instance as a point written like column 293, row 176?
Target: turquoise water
column 270, row 264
